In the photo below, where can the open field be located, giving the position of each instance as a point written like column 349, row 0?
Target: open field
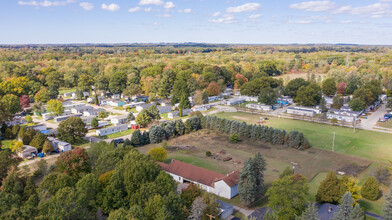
column 65, row 90
column 118, row 134
column 371, row 145
column 290, row 76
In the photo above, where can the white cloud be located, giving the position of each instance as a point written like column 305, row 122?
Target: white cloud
column 224, row 20
column 216, row 14
column 151, row 2
column 110, row 7
column 314, row 6
column 301, row 22
column 244, row 8
column 148, row 9
column 346, row 22
column 164, row 16
column 135, row 9
column 254, row 16
column 376, row 10
column 87, row 6
column 169, row 5
column 185, row 11
column 45, row 3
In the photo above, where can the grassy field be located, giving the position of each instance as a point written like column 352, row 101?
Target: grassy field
column 6, row 143
column 372, row 145
column 118, row 134
column 387, row 124
column 65, row 90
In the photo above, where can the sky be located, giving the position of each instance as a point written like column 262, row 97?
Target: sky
column 203, row 21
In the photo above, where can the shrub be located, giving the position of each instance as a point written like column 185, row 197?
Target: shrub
column 370, row 189
column 286, row 172
column 382, row 175
column 164, row 145
column 29, row 119
column 208, row 153
column 158, row 153
column 234, row 138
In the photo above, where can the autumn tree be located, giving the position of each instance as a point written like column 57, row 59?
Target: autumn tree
column 24, row 101
column 74, row 163
column 212, row 89
column 11, row 103
column 200, row 98
column 158, row 153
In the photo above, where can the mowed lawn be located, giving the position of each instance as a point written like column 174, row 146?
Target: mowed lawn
column 376, row 146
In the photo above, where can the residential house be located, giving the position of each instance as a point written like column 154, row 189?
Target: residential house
column 27, row 151
column 133, row 104
column 81, row 108
column 116, row 96
column 164, row 109
column 259, row 106
column 201, row 107
column 47, row 116
column 65, row 117
column 284, row 100
column 115, row 103
column 39, row 127
column 122, row 119
column 343, row 115
column 58, row 145
column 328, row 101
column 140, row 98
column 213, row 98
column 249, row 98
column 176, row 114
column 68, row 95
column 304, row 111
column 16, row 120
column 93, row 112
column 222, row 185
column 144, row 106
column 383, row 97
column 101, row 124
column 88, row 119
column 235, row 101
column 112, row 129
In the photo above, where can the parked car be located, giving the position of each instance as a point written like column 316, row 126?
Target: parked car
column 382, row 120
column 41, row 155
column 118, row 141
column 388, row 116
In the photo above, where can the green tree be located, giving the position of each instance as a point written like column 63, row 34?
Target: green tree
column 157, row 134
column 357, row 104
column 117, row 82
column 72, row 130
column 131, row 117
column 55, row 107
column 85, row 82
column 234, row 138
column 288, row 171
column 310, row 213
column 180, row 88
column 370, row 189
column 143, row 118
column 94, row 123
column 184, row 104
column 47, row 147
column 200, row 98
column 197, row 209
column 102, row 114
column 153, row 112
column 292, row 87
column 268, row 96
column 136, row 138
column 365, row 95
column 247, row 186
column 329, row 87
column 309, row 95
column 7, row 162
column 42, row 95
column 329, row 190
column 357, row 213
column 11, row 103
column 387, row 209
column 345, row 208
column 287, row 196
column 54, row 182
column 338, row 102
column 38, row 140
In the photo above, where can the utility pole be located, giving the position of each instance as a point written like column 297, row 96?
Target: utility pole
column 333, row 142
column 355, row 122
column 211, row 216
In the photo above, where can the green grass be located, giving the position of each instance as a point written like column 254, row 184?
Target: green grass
column 65, row 90
column 387, row 124
column 119, row 108
column 28, row 124
column 372, row 145
column 118, row 134
column 81, row 143
column 6, row 143
column 197, row 162
column 314, row 184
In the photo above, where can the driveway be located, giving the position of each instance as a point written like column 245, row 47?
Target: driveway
column 371, row 122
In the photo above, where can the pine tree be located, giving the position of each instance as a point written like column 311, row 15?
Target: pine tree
column 275, row 136
column 310, row 213
column 242, row 130
column 259, row 165
column 247, row 186
column 170, row 129
column 345, row 208
column 329, row 189
column 145, row 138
column 387, row 210
column 370, row 189
column 269, row 135
column 357, row 213
column 222, row 125
column 180, row 129
column 136, row 139
column 228, row 126
column 156, row 134
column 197, row 209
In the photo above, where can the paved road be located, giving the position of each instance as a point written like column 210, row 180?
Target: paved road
column 371, row 122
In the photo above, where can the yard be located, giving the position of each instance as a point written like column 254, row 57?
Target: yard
column 387, row 124
column 118, row 134
column 65, row 90
column 371, row 145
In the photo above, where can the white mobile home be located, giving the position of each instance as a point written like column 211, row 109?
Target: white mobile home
column 111, row 130
column 259, row 107
column 27, row 151
column 201, row 107
column 80, row 109
column 119, row 120
column 213, row 98
column 144, row 106
column 235, row 101
column 93, row 112
column 176, row 114
column 343, row 115
column 61, row 146
column 304, row 111
column 249, row 98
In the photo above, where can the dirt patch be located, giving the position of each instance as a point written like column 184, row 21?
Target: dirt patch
column 308, row 162
column 352, row 169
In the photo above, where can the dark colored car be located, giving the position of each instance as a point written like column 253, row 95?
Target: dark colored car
column 388, row 116
column 118, row 141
